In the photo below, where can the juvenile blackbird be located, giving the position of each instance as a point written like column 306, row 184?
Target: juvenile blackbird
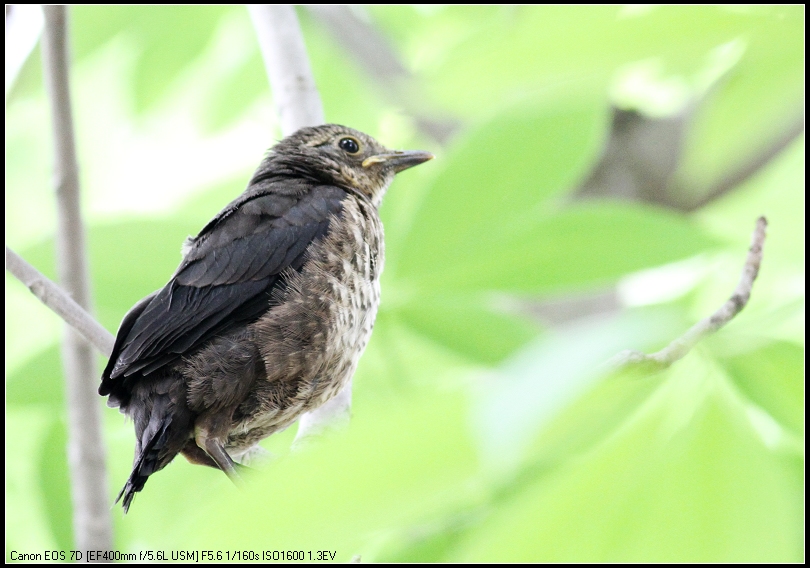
column 268, row 312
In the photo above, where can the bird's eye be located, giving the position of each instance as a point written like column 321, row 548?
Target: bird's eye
column 349, row 145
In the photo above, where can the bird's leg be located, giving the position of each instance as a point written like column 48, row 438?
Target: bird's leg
column 210, row 442
column 216, row 451
column 196, row 455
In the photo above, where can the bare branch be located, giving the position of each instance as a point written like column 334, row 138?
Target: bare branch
column 92, row 523
column 751, row 167
column 55, row 298
column 287, row 65
column 370, row 48
column 738, row 300
column 374, row 53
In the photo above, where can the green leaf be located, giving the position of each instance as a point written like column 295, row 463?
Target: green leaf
column 471, row 326
column 773, row 378
column 684, row 479
column 512, row 165
column 754, row 105
column 583, row 245
column 573, row 49
column 539, row 382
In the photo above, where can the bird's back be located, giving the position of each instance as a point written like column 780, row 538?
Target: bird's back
column 189, row 349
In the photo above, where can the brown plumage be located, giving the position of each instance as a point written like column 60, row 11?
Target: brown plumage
column 267, row 314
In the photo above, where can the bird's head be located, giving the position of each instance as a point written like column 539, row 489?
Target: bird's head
column 344, row 157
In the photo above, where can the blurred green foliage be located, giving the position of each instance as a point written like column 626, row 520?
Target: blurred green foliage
column 480, row 432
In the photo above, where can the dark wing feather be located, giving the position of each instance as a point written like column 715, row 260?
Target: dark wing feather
column 225, row 279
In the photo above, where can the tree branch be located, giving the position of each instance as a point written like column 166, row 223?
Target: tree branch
column 92, row 523
column 285, row 59
column 50, row 294
column 736, row 177
column 738, row 300
column 374, row 53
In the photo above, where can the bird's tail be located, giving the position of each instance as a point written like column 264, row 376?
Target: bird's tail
column 150, row 460
column 163, row 425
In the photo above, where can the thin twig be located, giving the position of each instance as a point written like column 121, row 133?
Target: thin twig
column 287, row 65
column 738, row 300
column 92, row 523
column 50, row 294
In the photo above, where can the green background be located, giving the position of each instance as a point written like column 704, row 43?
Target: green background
column 480, row 431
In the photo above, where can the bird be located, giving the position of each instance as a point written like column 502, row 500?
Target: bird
column 268, row 312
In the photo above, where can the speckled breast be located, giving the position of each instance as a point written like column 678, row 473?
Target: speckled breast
column 312, row 339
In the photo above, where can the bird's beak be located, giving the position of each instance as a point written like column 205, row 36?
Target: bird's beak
column 399, row 161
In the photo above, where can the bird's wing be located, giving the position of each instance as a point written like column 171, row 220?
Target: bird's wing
column 225, row 278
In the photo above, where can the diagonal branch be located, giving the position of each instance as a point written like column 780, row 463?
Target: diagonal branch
column 738, row 300
column 736, row 177
column 50, row 294
column 375, row 54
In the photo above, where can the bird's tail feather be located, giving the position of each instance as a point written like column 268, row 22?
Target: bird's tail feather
column 149, row 461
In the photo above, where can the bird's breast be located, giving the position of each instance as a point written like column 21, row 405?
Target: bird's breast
column 340, row 292
column 313, row 336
